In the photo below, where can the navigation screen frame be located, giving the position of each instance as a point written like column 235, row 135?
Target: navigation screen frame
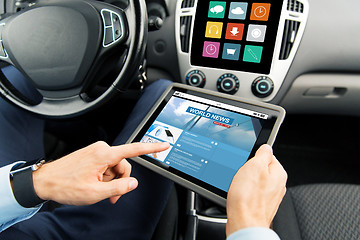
column 275, row 116
column 265, row 47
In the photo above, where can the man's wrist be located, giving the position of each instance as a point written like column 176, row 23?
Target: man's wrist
column 40, row 183
column 234, row 225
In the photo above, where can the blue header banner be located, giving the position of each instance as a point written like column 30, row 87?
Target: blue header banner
column 210, row 115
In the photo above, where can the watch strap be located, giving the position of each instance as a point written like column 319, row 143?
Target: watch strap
column 23, row 188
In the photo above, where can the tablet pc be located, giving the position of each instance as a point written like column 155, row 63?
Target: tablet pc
column 211, row 136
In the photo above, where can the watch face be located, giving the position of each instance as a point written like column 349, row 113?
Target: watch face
column 235, row 35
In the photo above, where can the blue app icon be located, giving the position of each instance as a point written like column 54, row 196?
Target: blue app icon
column 231, row 51
column 238, row 10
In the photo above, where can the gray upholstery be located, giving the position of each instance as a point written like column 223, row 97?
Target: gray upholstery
column 320, row 211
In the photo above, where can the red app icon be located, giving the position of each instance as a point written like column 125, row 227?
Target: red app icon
column 234, row 31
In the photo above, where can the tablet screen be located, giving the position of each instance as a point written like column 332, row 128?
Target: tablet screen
column 235, row 35
column 210, row 140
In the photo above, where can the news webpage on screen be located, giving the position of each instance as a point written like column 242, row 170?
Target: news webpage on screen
column 209, row 140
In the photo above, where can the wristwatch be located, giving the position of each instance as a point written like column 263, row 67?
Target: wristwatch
column 22, row 183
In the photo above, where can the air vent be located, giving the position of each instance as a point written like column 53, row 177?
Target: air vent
column 295, row 6
column 185, row 26
column 187, row 3
column 290, row 31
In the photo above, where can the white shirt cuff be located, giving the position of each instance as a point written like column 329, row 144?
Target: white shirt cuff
column 254, row 233
column 11, row 211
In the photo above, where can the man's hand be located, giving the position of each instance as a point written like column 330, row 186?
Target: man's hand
column 256, row 192
column 91, row 174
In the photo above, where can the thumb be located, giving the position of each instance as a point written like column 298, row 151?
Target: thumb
column 264, row 153
column 118, row 187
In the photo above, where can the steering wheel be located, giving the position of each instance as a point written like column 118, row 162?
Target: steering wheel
column 77, row 53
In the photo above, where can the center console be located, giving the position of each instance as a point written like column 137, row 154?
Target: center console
column 244, row 48
column 241, row 48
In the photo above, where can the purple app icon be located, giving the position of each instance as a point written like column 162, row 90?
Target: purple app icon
column 211, row 49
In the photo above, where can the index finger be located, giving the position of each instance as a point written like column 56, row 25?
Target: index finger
column 136, row 149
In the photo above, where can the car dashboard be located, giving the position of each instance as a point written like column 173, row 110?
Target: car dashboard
column 314, row 66
column 255, row 55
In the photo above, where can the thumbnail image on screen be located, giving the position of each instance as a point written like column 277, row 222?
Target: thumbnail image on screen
column 207, row 142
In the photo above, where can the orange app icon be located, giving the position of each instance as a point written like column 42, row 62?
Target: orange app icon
column 260, row 11
column 234, row 31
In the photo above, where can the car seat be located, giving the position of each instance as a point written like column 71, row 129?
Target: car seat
column 319, row 211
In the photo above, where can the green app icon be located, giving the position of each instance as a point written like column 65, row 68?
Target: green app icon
column 252, row 54
column 216, row 9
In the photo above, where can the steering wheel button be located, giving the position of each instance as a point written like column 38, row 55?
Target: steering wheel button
column 113, row 27
column 108, row 38
column 117, row 27
column 106, row 17
column 115, row 18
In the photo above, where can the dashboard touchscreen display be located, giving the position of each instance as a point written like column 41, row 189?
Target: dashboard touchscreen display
column 209, row 140
column 235, row 35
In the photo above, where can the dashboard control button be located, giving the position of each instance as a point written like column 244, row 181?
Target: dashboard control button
column 262, row 87
column 196, row 78
column 228, row 83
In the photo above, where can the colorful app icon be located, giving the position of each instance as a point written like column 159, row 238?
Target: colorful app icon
column 213, row 29
column 238, row 10
column 234, row 31
column 216, row 9
column 260, row 11
column 256, row 33
column 252, row 54
column 211, row 49
column 231, row 51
